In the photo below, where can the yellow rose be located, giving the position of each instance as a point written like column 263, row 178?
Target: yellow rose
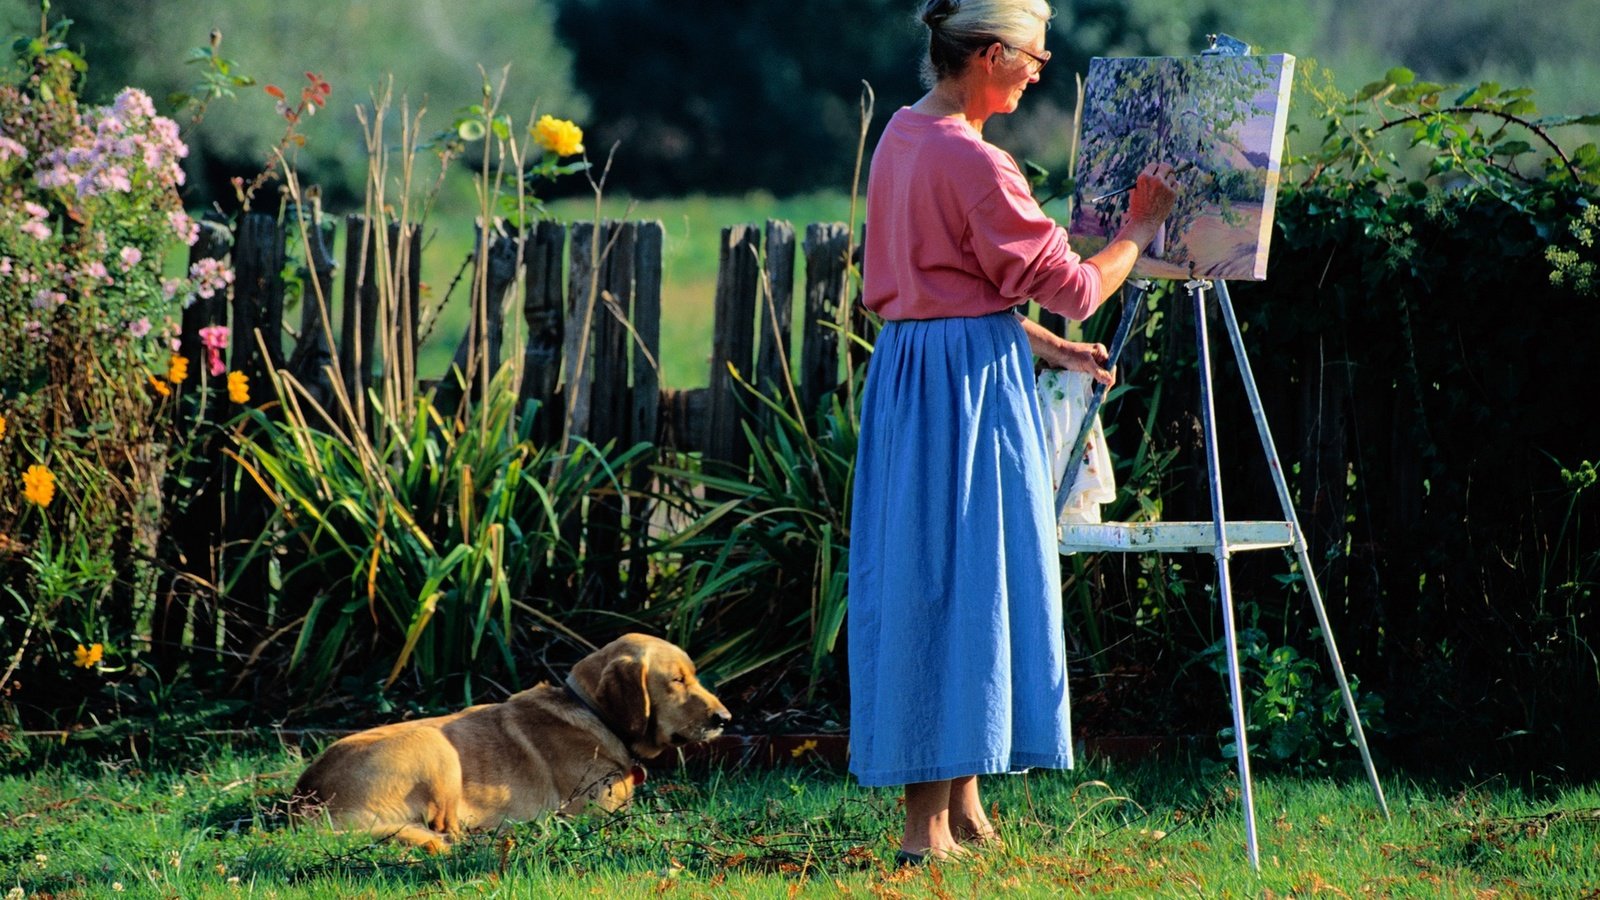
column 238, row 387
column 39, row 485
column 177, row 368
column 559, row 136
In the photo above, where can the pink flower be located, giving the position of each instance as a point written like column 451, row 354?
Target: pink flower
column 133, row 103
column 210, row 276
column 130, row 257
column 34, row 210
column 215, row 339
column 38, row 229
column 96, row 271
column 5, row 265
column 10, row 148
column 184, row 227
column 139, row 329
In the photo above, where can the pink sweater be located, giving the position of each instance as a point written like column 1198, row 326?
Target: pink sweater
column 952, row 230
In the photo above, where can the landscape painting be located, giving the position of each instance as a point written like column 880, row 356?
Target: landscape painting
column 1219, row 121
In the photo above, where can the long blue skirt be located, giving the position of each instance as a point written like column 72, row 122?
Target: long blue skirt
column 957, row 654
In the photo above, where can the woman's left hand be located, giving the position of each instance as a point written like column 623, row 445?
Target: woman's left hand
column 1089, row 358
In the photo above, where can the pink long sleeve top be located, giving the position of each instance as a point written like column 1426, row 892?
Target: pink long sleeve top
column 953, row 230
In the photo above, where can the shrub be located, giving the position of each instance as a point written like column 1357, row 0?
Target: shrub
column 89, row 208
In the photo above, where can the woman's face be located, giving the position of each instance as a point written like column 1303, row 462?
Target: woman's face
column 1014, row 69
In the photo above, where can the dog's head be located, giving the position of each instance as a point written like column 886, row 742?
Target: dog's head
column 647, row 688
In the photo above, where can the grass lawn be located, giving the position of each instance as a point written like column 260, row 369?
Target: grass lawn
column 210, row 826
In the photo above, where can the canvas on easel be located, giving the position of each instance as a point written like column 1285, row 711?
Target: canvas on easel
column 1220, row 122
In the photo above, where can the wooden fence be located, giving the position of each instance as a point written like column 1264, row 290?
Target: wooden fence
column 595, row 360
column 592, row 307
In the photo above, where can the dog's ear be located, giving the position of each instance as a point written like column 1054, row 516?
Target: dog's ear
column 623, row 694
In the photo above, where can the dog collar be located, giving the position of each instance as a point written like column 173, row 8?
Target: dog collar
column 638, row 771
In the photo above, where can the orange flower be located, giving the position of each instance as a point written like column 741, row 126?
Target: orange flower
column 160, row 386
column 39, row 485
column 88, row 657
column 238, row 387
column 2, row 426
column 177, row 368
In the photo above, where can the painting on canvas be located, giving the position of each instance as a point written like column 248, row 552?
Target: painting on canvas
column 1219, row 121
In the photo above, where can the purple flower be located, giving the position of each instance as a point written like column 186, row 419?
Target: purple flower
column 139, row 329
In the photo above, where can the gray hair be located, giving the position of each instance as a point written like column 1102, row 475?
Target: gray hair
column 959, row 28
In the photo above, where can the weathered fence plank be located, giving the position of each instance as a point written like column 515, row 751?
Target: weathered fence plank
column 360, row 313
column 577, row 365
column 777, row 311
column 478, row 352
column 542, row 308
column 313, row 352
column 826, row 282
column 258, row 259
column 645, row 412
column 610, row 406
column 733, row 342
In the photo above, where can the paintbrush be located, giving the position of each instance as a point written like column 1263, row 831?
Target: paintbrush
column 1184, row 166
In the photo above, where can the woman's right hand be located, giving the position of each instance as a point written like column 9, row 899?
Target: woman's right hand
column 1152, row 198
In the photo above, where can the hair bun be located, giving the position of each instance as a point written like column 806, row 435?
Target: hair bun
column 934, row 12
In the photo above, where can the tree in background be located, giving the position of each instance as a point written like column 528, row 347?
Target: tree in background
column 710, row 95
column 432, row 48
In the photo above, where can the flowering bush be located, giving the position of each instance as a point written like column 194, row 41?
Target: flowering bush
column 89, row 318
column 90, row 206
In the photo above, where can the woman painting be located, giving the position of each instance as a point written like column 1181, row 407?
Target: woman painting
column 957, row 655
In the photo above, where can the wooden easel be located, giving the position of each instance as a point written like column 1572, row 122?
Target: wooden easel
column 1222, row 537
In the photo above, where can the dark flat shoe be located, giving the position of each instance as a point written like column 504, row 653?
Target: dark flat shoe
column 906, row 859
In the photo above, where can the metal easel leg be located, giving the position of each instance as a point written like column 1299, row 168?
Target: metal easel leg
column 1197, row 290
column 1300, row 549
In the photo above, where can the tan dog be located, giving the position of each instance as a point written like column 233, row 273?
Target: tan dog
column 546, row 749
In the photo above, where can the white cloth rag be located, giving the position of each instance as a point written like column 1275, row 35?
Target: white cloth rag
column 1063, row 399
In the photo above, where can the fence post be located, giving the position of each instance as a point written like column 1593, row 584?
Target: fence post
column 645, row 414
column 359, row 314
column 542, row 308
column 258, row 258
column 579, row 347
column 198, row 478
column 478, row 353
column 826, row 274
column 609, row 409
column 777, row 311
column 313, row 353
column 733, row 341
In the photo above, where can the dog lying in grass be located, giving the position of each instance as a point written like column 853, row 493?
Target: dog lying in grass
column 560, row 749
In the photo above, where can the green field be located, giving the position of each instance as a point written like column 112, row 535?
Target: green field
column 210, row 825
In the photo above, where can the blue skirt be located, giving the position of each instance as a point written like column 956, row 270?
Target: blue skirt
column 957, row 654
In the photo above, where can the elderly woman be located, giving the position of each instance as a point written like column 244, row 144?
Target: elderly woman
column 957, row 653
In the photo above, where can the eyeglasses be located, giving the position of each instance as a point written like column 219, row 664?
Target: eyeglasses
column 1037, row 59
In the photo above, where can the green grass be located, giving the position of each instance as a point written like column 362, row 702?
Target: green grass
column 190, row 828
column 693, row 227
